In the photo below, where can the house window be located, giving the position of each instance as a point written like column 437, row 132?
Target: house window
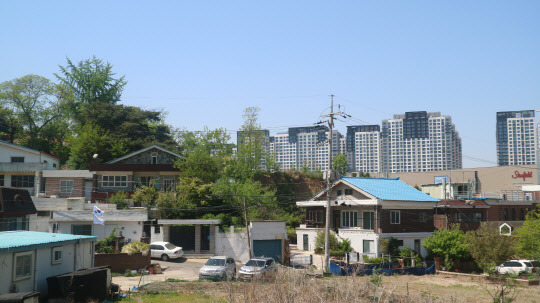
column 154, row 158
column 477, row 217
column 400, row 242
column 1, row 180
column 66, row 186
column 144, row 181
column 348, row 192
column 338, row 193
column 114, row 181
column 505, row 214
column 54, row 165
column 17, row 159
column 315, row 216
column 521, row 214
column 368, row 220
column 22, row 181
column 349, row 219
column 81, row 229
column 43, row 213
column 395, row 217
column 423, row 217
column 168, row 183
column 157, row 229
column 513, row 214
column 367, row 246
column 23, row 266
column 56, row 256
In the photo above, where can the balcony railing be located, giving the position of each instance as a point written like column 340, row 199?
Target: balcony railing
column 23, row 167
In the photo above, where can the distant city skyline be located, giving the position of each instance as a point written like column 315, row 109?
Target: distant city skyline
column 204, row 63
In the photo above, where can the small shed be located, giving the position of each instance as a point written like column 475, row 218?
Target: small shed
column 28, row 258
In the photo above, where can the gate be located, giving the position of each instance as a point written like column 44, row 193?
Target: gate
column 183, row 236
column 268, row 248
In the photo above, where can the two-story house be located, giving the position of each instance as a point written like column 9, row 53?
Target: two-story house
column 151, row 165
column 22, row 167
column 365, row 210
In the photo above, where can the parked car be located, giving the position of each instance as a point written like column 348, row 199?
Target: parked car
column 516, row 267
column 165, row 251
column 258, row 267
column 217, row 268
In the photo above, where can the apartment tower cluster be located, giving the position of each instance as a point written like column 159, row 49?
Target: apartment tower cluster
column 417, row 141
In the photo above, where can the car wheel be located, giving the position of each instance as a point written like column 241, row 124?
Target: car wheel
column 164, row 257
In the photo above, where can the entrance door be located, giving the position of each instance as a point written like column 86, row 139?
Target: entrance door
column 336, row 220
column 205, row 237
column 268, row 248
column 306, row 242
column 183, row 236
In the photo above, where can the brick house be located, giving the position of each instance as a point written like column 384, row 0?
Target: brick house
column 151, row 165
column 366, row 210
column 470, row 214
column 68, row 183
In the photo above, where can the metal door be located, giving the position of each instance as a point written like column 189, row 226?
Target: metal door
column 268, row 248
column 205, row 237
column 183, row 236
column 305, row 241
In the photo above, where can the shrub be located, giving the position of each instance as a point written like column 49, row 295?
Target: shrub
column 373, row 260
column 119, row 198
column 107, row 245
column 135, row 247
column 320, row 239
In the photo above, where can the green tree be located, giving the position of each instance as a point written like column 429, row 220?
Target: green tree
column 449, row 244
column 146, row 195
column 10, row 125
column 36, row 103
column 340, row 164
column 528, row 236
column 92, row 81
column 488, row 247
column 251, row 140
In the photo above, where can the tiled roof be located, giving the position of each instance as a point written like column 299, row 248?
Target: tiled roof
column 389, row 189
column 13, row 241
column 154, row 145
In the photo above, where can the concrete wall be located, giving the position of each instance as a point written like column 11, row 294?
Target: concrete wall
column 52, row 187
column 234, row 245
column 312, row 234
column 74, row 257
column 7, row 151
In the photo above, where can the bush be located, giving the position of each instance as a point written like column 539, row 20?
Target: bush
column 107, row 245
column 320, row 239
column 372, row 260
column 119, row 198
column 135, row 247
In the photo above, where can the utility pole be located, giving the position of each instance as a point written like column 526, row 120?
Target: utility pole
column 247, row 228
column 329, row 181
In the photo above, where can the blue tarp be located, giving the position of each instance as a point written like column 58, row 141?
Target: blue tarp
column 342, row 269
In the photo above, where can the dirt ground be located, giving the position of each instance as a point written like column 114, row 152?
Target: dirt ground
column 430, row 288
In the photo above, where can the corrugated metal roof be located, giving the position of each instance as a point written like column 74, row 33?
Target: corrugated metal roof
column 13, row 241
column 389, row 189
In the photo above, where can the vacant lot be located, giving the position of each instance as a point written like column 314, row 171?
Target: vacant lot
column 291, row 287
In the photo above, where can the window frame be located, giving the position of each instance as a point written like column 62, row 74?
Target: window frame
column 15, row 159
column 393, row 217
column 349, row 218
column 371, row 222
column 29, row 180
column 63, row 187
column 54, row 260
column 76, row 225
column 114, row 182
column 2, row 180
column 16, row 257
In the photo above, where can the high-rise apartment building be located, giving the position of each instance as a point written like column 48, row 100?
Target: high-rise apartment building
column 304, row 147
column 420, row 141
column 517, row 138
column 364, row 148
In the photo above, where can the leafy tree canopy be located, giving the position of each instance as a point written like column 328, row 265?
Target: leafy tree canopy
column 528, row 236
column 340, row 164
column 488, row 247
column 447, row 243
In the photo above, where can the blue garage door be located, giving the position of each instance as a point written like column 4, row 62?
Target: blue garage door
column 267, row 248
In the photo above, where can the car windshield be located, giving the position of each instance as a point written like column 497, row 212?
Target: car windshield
column 170, row 246
column 255, row 263
column 215, row 262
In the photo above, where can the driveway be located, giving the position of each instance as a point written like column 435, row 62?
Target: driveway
column 181, row 269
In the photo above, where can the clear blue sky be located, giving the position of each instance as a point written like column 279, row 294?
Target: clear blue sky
column 205, row 61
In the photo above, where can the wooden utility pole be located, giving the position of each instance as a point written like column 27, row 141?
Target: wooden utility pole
column 247, row 228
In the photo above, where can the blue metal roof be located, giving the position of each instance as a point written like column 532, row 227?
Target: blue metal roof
column 389, row 189
column 14, row 241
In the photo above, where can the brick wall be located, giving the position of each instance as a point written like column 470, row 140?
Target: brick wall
column 52, row 187
column 120, row 262
column 411, row 221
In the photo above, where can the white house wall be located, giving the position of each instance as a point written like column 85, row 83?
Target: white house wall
column 312, row 234
column 234, row 245
column 8, row 151
column 132, row 231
